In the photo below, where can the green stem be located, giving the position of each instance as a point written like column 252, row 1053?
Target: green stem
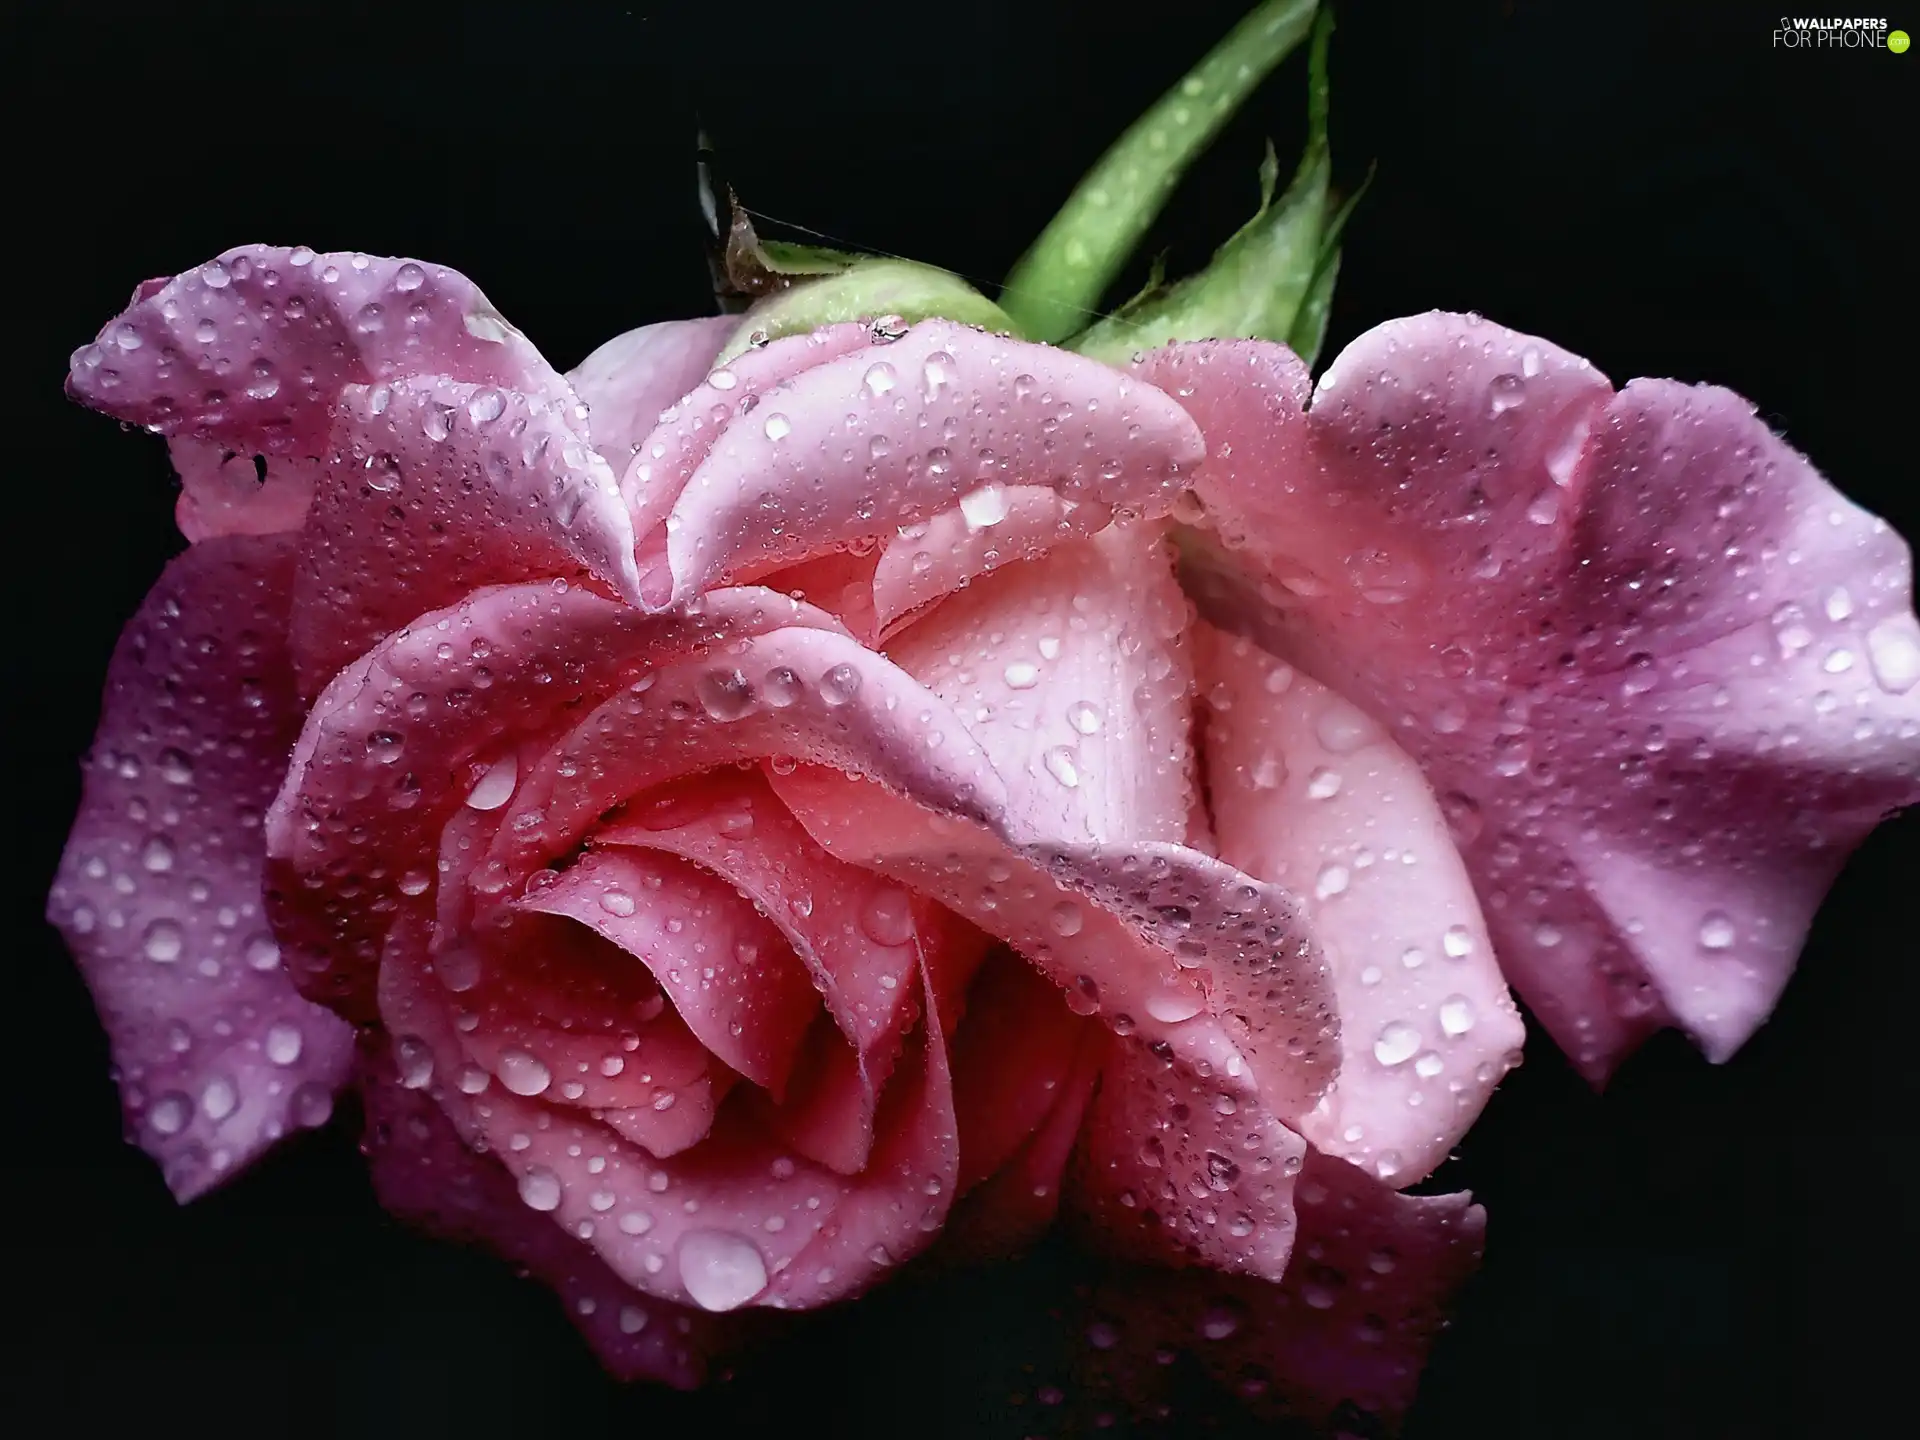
column 1056, row 285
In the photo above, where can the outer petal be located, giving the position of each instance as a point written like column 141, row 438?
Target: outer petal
column 1173, row 1169
column 628, row 381
column 404, row 736
column 434, row 487
column 1340, row 1343
column 1308, row 792
column 253, row 352
column 1619, row 688
column 159, row 891
column 425, row 1173
column 898, row 431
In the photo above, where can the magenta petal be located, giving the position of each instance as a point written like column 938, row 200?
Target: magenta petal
column 1174, row 1169
column 424, row 1173
column 628, row 381
column 255, row 344
column 1662, row 675
column 442, row 450
column 1347, row 1329
column 159, row 891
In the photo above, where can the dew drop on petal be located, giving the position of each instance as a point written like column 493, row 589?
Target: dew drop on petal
column 721, row 1270
column 1396, row 1043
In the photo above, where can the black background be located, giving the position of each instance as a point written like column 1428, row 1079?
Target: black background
column 1700, row 1252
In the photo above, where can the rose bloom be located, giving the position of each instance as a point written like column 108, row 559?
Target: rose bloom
column 763, row 822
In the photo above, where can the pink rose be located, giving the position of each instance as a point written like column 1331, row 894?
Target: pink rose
column 650, row 792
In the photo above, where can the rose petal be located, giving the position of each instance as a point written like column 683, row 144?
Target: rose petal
column 838, row 452
column 628, row 381
column 425, row 1174
column 1618, row 687
column 1011, row 1056
column 1310, row 793
column 936, row 556
column 811, row 693
column 434, row 487
column 1174, row 1169
column 417, row 726
column 854, row 934
column 253, row 352
column 225, row 492
column 1341, row 1342
column 1115, row 926
column 159, row 890
column 1073, row 676
column 733, row 1221
column 725, row 966
column 554, row 1008
column 1013, row 1207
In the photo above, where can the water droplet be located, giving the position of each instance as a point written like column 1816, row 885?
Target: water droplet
column 262, row 952
column 721, row 1270
column 283, row 1045
column 1220, row 1321
column 1323, row 784
column 984, row 505
column 496, row 786
column 1717, row 931
column 384, row 746
column 726, row 695
column 1084, row 717
column 1342, row 728
column 778, row 427
column 888, row 915
column 1172, row 1005
column 839, row 685
column 1413, row 957
column 1893, row 650
column 1066, row 919
column 486, row 406
column 1332, row 880
column 1428, row 1065
column 1457, row 942
column 175, row 767
column 936, row 373
column 170, row 1113
column 157, row 856
column 632, row 1319
column 1504, row 393
column 1022, row 675
column 1456, row 1015
column 540, row 1189
column 163, row 941
column 219, row 1099
column 1059, row 763
column 1396, row 1043
column 522, row 1073
column 880, row 378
